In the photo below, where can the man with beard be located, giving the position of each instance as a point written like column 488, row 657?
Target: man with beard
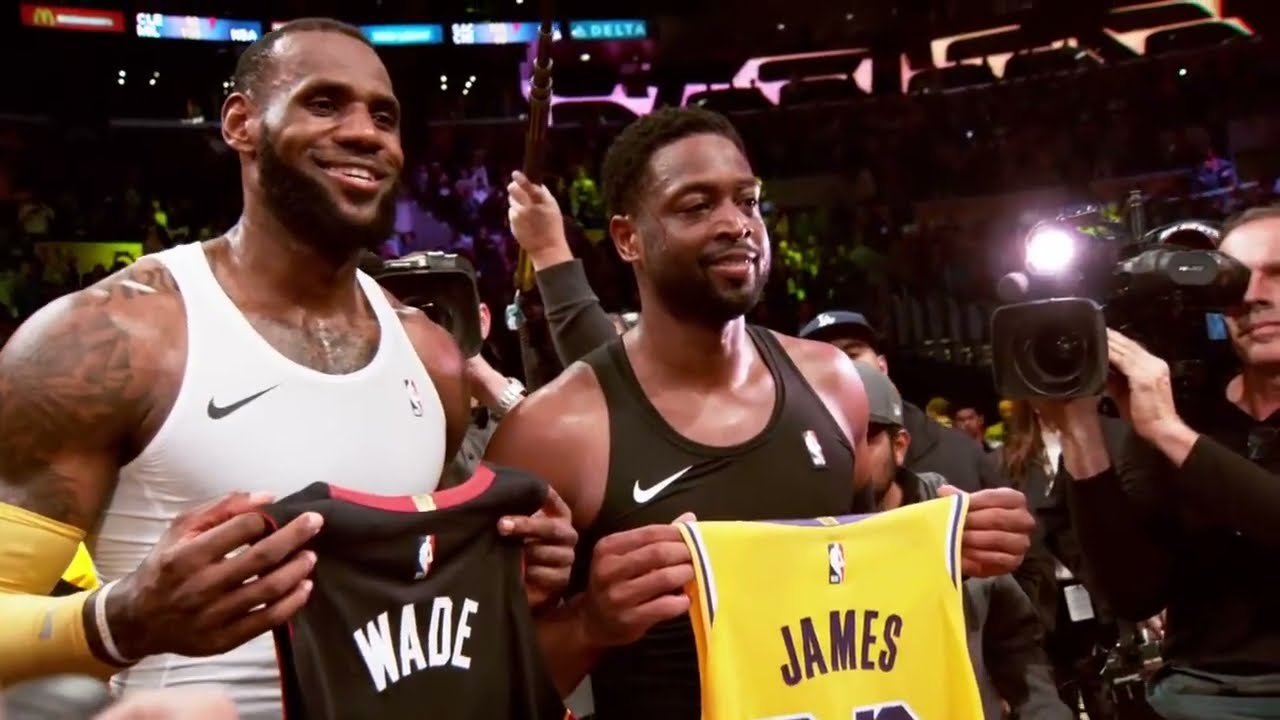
column 692, row 411
column 261, row 358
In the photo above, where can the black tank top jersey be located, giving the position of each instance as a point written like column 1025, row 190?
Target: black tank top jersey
column 418, row 609
column 799, row 466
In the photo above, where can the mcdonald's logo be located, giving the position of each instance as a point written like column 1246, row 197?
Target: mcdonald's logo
column 43, row 17
column 67, row 18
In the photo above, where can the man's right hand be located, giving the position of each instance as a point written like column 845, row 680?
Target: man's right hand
column 187, row 597
column 536, row 222
column 637, row 581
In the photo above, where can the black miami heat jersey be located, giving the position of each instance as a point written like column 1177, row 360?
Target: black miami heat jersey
column 418, row 609
column 799, row 466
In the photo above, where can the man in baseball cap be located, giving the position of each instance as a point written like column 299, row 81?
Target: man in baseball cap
column 851, row 332
column 1004, row 632
column 887, row 439
column 933, row 448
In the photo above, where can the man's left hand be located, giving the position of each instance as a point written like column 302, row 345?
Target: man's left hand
column 1148, row 401
column 997, row 531
column 549, row 543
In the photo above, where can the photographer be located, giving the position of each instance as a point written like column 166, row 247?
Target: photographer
column 1188, row 520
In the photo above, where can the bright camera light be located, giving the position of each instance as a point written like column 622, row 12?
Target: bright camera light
column 1050, row 250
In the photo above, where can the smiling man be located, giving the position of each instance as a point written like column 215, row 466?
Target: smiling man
column 261, row 360
column 692, row 411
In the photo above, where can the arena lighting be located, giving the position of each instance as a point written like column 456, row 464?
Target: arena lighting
column 1136, row 40
column 1050, row 249
column 749, row 75
column 938, row 48
column 639, row 105
column 939, row 52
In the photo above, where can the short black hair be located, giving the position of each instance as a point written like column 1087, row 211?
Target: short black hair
column 626, row 164
column 254, row 63
column 1253, row 214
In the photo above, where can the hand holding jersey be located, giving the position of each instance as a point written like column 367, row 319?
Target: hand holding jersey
column 637, row 580
column 185, row 597
column 189, row 597
column 549, row 541
column 997, row 531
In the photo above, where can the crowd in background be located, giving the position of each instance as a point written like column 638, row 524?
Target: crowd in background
column 911, row 213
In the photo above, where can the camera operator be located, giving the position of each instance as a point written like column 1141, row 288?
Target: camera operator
column 1188, row 520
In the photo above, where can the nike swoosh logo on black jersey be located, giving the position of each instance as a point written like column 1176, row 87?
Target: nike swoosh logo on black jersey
column 644, row 495
column 217, row 413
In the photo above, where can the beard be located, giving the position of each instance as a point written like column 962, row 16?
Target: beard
column 305, row 206
column 886, row 476
column 688, row 292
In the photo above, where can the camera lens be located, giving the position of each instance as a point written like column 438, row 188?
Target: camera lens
column 439, row 314
column 1057, row 354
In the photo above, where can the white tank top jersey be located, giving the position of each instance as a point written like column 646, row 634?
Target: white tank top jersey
column 248, row 418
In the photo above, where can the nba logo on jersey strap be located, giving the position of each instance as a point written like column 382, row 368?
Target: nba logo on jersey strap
column 415, row 400
column 426, row 555
column 835, row 563
column 815, row 449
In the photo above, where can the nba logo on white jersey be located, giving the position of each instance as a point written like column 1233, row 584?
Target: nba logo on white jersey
column 814, row 447
column 415, row 400
column 835, row 563
column 426, row 555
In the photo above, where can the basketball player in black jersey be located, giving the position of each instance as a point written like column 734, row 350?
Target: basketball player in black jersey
column 692, row 411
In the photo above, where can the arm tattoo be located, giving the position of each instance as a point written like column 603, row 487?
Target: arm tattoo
column 68, row 392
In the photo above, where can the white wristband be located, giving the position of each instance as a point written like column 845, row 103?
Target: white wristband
column 104, row 632
column 511, row 396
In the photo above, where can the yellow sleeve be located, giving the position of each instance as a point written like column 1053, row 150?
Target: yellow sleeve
column 41, row 635
column 81, row 572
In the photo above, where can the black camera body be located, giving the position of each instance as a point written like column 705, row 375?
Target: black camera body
column 1167, row 289
column 441, row 285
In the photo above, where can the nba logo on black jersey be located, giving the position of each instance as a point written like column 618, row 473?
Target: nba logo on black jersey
column 816, row 456
column 415, row 400
column 426, row 555
column 835, row 563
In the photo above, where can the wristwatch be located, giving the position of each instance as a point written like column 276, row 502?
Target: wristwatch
column 511, row 396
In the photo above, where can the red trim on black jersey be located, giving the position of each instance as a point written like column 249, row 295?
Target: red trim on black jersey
column 481, row 481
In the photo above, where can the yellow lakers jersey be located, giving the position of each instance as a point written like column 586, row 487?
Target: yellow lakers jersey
column 833, row 619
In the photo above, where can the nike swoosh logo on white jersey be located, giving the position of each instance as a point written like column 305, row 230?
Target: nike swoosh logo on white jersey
column 644, row 495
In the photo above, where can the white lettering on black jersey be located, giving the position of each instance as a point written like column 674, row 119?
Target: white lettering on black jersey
column 418, row 609
column 445, row 640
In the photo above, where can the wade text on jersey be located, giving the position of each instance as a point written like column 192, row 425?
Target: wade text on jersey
column 844, row 644
column 393, row 651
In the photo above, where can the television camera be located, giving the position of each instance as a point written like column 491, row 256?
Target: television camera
column 441, row 285
column 1167, row 288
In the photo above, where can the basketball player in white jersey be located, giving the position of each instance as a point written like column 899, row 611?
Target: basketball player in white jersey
column 259, row 360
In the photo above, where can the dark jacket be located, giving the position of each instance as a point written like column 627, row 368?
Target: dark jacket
column 1054, row 539
column 949, row 453
column 1005, row 639
column 1200, row 539
column 577, row 322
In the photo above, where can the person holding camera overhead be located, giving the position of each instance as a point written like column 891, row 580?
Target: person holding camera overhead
column 1186, row 513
